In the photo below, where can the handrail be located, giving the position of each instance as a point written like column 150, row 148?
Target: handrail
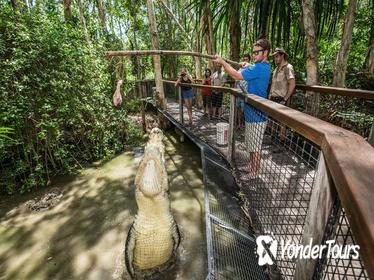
column 350, row 160
column 359, row 93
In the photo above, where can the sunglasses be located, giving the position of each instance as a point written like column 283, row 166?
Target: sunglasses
column 257, row 52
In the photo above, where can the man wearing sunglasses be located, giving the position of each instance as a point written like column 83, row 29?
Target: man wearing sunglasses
column 257, row 76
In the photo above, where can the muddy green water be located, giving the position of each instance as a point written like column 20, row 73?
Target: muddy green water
column 83, row 235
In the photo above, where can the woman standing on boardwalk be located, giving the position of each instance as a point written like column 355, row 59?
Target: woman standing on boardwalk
column 187, row 93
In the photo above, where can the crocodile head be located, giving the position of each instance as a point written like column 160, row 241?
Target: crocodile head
column 151, row 178
column 150, row 183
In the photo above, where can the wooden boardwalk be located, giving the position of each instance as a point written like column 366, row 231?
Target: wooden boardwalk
column 278, row 198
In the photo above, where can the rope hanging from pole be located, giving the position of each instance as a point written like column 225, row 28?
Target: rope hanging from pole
column 110, row 54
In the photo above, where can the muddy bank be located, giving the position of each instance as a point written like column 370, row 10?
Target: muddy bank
column 77, row 228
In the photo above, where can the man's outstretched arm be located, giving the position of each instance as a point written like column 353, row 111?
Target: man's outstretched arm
column 228, row 68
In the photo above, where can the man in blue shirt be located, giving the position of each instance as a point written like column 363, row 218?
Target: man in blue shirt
column 258, row 77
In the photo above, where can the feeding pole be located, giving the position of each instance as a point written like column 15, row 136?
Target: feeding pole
column 110, row 54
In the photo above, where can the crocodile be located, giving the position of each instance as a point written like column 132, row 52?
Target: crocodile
column 154, row 237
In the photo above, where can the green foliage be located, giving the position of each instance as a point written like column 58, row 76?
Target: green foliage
column 4, row 136
column 56, row 93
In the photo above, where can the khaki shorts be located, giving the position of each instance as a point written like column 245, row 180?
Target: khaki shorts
column 254, row 133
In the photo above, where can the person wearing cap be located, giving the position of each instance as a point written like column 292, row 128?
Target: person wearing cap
column 283, row 81
column 258, row 76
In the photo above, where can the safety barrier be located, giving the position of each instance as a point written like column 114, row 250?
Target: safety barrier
column 303, row 181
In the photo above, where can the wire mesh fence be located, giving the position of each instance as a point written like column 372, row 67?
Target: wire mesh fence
column 231, row 243
column 275, row 168
column 347, row 266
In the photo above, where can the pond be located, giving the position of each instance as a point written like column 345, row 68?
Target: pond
column 76, row 229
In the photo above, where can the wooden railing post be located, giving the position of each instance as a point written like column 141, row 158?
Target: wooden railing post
column 320, row 205
column 143, row 95
column 180, row 105
column 231, row 139
column 371, row 135
column 134, row 93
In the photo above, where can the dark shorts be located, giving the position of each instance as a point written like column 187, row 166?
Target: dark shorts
column 187, row 94
column 277, row 99
column 239, row 102
column 217, row 98
column 207, row 100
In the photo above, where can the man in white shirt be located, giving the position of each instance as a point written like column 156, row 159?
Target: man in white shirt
column 218, row 79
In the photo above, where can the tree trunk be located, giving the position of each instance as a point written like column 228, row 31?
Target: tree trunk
column 83, row 21
column 312, row 54
column 235, row 31
column 340, row 68
column 111, row 24
column 197, row 48
column 67, row 10
column 102, row 14
column 264, row 22
column 156, row 58
column 14, row 4
column 137, row 59
column 369, row 60
column 207, row 28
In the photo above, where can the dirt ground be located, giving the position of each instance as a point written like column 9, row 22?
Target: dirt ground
column 77, row 228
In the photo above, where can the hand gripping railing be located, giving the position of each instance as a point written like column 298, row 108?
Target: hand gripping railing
column 346, row 166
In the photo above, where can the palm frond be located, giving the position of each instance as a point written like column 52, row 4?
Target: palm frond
column 4, row 134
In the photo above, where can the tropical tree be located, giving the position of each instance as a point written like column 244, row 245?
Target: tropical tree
column 4, row 135
column 67, row 10
column 369, row 59
column 311, row 52
column 156, row 58
column 342, row 57
column 207, row 28
column 14, row 4
column 102, row 15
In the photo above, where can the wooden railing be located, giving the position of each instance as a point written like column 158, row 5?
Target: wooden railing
column 346, row 165
column 359, row 93
column 349, row 160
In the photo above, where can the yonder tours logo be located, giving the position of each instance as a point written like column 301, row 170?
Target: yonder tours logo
column 267, row 248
